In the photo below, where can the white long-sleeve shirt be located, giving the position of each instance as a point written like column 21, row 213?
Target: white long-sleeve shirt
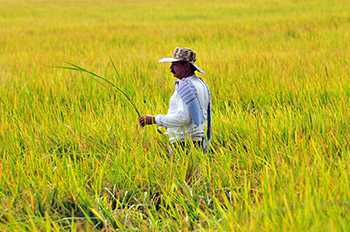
column 178, row 120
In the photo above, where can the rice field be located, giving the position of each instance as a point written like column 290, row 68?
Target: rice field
column 73, row 156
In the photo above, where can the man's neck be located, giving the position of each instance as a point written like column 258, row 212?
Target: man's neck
column 187, row 75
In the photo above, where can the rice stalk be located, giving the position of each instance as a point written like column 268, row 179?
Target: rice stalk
column 95, row 76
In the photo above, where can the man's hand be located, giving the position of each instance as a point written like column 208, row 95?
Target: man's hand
column 147, row 120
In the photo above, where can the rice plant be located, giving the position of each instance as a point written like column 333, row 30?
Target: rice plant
column 73, row 156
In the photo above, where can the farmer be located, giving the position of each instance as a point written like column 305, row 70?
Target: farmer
column 190, row 104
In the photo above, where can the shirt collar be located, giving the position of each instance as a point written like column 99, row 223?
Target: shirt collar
column 186, row 78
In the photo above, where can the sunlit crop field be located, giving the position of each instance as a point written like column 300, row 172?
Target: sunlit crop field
column 74, row 158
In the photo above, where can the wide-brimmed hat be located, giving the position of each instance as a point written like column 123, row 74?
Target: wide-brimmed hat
column 182, row 54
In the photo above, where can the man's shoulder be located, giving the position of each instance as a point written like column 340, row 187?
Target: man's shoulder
column 189, row 83
column 199, row 83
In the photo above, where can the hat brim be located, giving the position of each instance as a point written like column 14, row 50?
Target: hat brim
column 198, row 68
column 170, row 60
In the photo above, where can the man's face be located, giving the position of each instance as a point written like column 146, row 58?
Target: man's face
column 179, row 69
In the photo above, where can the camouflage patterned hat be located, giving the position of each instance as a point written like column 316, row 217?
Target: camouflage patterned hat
column 182, row 54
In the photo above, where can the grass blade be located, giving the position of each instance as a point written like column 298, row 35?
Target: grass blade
column 78, row 68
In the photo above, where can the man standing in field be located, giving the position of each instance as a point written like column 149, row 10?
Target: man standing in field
column 190, row 104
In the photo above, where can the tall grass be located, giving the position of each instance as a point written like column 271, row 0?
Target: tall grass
column 73, row 156
column 103, row 80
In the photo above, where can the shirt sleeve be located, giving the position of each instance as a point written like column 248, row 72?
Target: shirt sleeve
column 179, row 117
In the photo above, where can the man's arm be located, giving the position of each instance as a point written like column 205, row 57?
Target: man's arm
column 180, row 117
